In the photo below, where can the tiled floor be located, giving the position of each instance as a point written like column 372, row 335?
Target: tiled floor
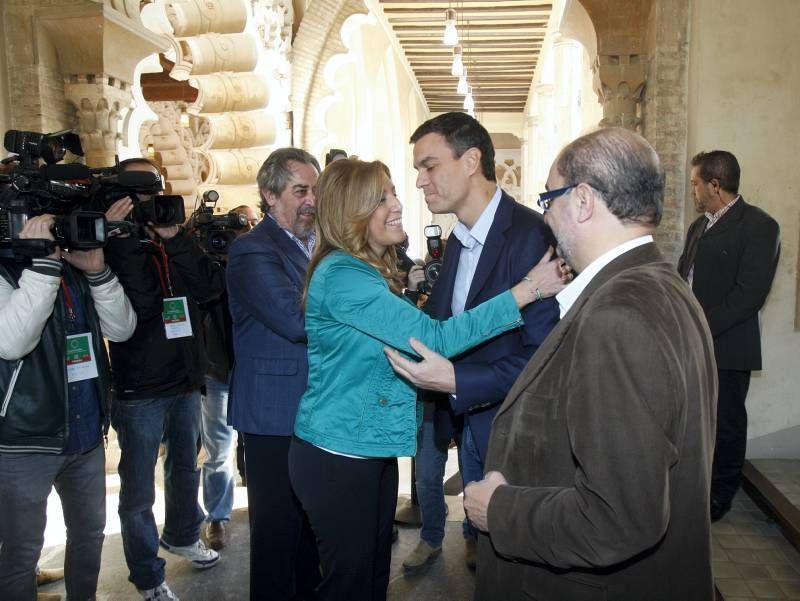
column 752, row 559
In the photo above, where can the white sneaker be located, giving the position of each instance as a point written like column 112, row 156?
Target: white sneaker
column 161, row 593
column 201, row 556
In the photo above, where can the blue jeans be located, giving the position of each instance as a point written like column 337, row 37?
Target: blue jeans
column 141, row 424
column 218, row 442
column 429, row 471
column 25, row 482
column 469, row 460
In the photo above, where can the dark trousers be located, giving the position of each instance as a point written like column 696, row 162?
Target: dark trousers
column 726, row 474
column 351, row 504
column 284, row 563
column 25, row 482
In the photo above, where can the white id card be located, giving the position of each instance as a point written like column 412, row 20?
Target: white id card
column 81, row 362
column 176, row 317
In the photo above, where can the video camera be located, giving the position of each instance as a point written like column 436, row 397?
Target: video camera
column 433, row 239
column 76, row 195
column 215, row 233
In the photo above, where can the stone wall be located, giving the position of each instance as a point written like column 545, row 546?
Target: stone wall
column 35, row 84
column 743, row 89
column 664, row 121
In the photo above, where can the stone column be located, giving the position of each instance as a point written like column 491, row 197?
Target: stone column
column 619, row 82
column 98, row 47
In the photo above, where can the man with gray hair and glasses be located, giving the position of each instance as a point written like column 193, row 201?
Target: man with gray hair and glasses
column 266, row 273
column 599, row 461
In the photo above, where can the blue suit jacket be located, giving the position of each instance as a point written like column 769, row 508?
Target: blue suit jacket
column 266, row 273
column 516, row 241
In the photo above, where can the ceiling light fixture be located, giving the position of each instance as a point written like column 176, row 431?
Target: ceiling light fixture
column 462, row 84
column 450, row 37
column 458, row 64
column 469, row 101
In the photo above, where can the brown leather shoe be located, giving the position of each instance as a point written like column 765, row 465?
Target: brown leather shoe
column 48, row 575
column 470, row 552
column 215, row 535
column 48, row 597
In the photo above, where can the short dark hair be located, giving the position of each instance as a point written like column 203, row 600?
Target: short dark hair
column 461, row 132
column 274, row 174
column 123, row 165
column 720, row 165
column 623, row 167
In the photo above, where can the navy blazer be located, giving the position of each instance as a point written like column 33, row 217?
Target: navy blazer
column 516, row 241
column 266, row 274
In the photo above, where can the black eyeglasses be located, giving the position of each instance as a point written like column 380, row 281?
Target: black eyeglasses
column 545, row 198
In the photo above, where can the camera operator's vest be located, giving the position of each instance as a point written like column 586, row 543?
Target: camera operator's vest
column 33, row 389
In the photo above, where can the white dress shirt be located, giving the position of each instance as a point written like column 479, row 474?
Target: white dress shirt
column 472, row 240
column 567, row 297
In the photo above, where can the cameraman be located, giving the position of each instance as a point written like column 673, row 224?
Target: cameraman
column 157, row 377
column 55, row 407
column 218, row 436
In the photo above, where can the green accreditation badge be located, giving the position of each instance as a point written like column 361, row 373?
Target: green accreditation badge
column 176, row 317
column 81, row 362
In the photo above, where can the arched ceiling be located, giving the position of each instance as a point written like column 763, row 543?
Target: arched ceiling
column 501, row 41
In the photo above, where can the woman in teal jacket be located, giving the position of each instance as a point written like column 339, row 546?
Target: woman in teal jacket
column 356, row 416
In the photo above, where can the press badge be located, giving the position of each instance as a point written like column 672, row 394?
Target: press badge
column 176, row 317
column 81, row 363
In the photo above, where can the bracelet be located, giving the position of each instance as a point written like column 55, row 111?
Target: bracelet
column 536, row 292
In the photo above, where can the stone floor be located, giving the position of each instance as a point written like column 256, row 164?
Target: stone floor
column 784, row 474
column 447, row 579
column 752, row 559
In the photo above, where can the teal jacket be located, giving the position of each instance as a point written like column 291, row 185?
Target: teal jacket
column 355, row 403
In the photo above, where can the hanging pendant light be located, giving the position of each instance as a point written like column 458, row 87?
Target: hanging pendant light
column 458, row 64
column 462, row 84
column 469, row 101
column 450, row 37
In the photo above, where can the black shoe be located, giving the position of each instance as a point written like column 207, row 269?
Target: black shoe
column 717, row 510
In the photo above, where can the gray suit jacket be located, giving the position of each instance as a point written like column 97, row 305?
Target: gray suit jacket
column 606, row 440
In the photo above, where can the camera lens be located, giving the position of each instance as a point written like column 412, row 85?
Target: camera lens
column 218, row 242
column 432, row 271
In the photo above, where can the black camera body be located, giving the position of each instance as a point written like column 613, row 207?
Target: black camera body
column 215, row 233
column 76, row 195
column 30, row 145
column 158, row 209
column 27, row 190
column 433, row 240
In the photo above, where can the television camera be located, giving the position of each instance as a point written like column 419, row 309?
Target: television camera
column 215, row 233
column 34, row 183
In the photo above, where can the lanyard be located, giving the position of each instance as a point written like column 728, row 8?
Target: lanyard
column 68, row 300
column 166, row 283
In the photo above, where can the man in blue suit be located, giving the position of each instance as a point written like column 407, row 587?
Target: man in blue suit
column 493, row 245
column 266, row 273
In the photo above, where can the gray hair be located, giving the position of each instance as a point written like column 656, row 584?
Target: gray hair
column 620, row 165
column 275, row 173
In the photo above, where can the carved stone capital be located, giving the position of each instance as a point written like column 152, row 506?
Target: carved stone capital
column 619, row 82
column 100, row 102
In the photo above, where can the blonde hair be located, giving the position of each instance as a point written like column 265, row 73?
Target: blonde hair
column 347, row 193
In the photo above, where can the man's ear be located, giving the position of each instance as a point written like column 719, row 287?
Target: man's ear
column 472, row 157
column 268, row 197
column 586, row 198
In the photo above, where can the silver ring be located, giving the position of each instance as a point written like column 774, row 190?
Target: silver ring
column 538, row 294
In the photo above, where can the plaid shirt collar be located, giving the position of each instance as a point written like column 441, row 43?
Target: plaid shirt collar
column 714, row 217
